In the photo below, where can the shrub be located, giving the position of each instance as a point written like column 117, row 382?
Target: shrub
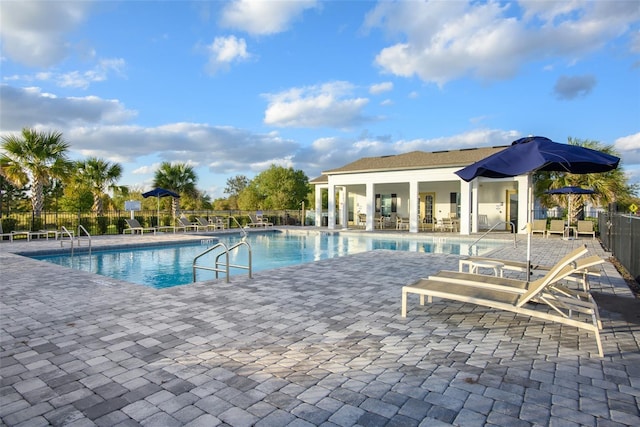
column 9, row 225
column 103, row 224
column 121, row 224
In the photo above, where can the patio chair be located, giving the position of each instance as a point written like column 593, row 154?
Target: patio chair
column 183, row 221
column 206, row 224
column 362, row 220
column 135, row 227
column 539, row 226
column 402, row 223
column 258, row 221
column 516, row 296
column 483, row 222
column 445, row 224
column 218, row 222
column 556, row 226
column 261, row 219
column 585, row 227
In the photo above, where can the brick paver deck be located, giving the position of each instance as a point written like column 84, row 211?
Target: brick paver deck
column 317, row 344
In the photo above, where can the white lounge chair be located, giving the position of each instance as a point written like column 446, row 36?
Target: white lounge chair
column 206, row 224
column 515, row 296
column 135, row 227
column 507, row 264
column 188, row 225
column 257, row 220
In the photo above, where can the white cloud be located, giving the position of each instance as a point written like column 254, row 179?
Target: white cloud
column 471, row 139
column 327, row 105
column 146, row 170
column 380, row 88
column 33, row 32
column 75, row 79
column 31, row 107
column 263, row 17
column 329, row 153
column 225, row 50
column 442, row 41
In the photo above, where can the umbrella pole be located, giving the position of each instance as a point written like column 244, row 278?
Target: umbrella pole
column 568, row 230
column 158, row 218
column 528, row 251
column 530, row 221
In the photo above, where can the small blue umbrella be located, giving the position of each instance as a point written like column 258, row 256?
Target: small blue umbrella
column 537, row 153
column 569, row 191
column 160, row 192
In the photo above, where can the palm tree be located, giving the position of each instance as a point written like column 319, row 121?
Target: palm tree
column 608, row 186
column 178, row 177
column 34, row 158
column 100, row 175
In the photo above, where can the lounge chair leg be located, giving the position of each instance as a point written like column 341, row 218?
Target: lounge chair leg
column 403, row 310
column 599, row 343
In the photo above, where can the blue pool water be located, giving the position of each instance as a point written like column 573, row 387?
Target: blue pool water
column 166, row 266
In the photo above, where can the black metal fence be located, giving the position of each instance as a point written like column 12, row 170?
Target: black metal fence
column 113, row 222
column 620, row 234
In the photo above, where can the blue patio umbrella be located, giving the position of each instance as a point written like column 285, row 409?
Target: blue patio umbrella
column 569, row 191
column 159, row 193
column 537, row 153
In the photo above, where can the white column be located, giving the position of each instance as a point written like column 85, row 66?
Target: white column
column 318, row 206
column 474, row 200
column 332, row 206
column 370, row 196
column 414, row 218
column 344, row 209
column 465, row 207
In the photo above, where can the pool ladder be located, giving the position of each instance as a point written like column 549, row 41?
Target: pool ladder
column 223, row 266
column 66, row 233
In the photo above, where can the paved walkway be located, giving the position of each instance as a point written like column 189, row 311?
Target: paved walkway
column 318, row 344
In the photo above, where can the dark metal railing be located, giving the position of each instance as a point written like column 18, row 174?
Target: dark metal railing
column 620, row 234
column 113, row 222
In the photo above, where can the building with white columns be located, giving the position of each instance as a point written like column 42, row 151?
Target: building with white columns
column 420, row 191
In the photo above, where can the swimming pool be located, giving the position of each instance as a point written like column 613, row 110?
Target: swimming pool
column 167, row 266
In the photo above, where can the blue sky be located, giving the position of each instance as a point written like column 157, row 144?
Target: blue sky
column 233, row 87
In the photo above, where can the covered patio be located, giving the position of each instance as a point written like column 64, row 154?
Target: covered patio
column 420, row 191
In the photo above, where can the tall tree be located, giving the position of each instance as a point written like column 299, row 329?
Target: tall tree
column 235, row 186
column 100, row 176
column 276, row 188
column 177, row 177
column 34, row 158
column 608, row 186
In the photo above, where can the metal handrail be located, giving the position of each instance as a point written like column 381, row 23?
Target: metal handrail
column 242, row 267
column 68, row 233
column 242, row 230
column 226, row 265
column 513, row 228
column 80, row 230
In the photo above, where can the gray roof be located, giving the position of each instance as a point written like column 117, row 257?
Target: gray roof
column 413, row 160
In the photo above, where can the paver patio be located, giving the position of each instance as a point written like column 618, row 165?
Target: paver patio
column 317, row 344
